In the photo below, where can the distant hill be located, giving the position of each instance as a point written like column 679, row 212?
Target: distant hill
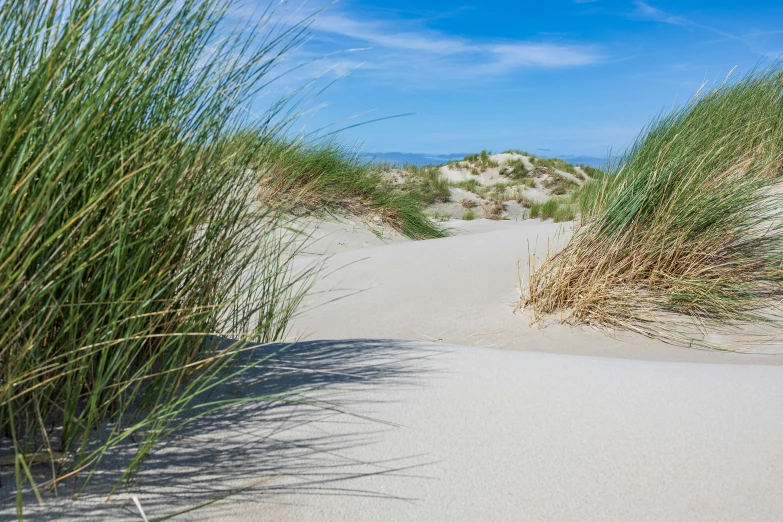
column 438, row 159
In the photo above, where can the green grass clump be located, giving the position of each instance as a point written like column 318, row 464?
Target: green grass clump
column 688, row 223
column 528, row 182
column 480, row 162
column 428, row 183
column 326, row 176
column 593, row 172
column 498, row 191
column 128, row 234
column 471, row 185
column 555, row 163
column 559, row 185
column 548, row 208
column 515, row 169
column 557, row 209
column 523, row 200
column 535, row 210
column 564, row 213
column 588, row 197
column 469, row 215
column 437, row 190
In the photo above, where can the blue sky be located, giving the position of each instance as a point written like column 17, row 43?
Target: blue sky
column 558, row 77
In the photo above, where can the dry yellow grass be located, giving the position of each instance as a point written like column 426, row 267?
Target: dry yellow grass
column 687, row 233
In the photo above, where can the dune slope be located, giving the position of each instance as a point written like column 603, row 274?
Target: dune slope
column 463, row 290
column 375, row 422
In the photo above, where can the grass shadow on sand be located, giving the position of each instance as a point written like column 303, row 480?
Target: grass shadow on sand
column 324, row 392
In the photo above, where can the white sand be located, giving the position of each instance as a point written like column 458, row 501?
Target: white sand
column 489, row 176
column 496, row 435
column 506, row 156
column 423, row 431
column 341, row 234
column 463, row 290
column 395, row 430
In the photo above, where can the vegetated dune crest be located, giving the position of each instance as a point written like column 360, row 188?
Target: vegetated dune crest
column 496, row 186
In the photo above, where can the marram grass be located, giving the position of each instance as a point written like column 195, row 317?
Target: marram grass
column 126, row 237
column 324, row 176
column 686, row 230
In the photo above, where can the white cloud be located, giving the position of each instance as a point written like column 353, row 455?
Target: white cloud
column 379, row 34
column 648, row 12
column 542, row 54
column 408, row 48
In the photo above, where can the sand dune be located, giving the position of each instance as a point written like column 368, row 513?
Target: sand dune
column 463, row 290
column 481, row 184
column 379, row 423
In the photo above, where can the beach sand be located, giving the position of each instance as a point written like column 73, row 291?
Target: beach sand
column 412, row 430
column 465, row 290
column 419, row 392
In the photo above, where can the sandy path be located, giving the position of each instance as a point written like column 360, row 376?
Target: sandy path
column 420, row 431
column 496, row 435
column 463, row 290
column 321, row 237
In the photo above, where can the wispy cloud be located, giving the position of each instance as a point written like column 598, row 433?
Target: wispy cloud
column 379, row 34
column 646, row 11
column 408, row 46
column 514, row 55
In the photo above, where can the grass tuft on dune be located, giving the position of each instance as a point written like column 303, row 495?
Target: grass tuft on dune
column 328, row 177
column 686, row 229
